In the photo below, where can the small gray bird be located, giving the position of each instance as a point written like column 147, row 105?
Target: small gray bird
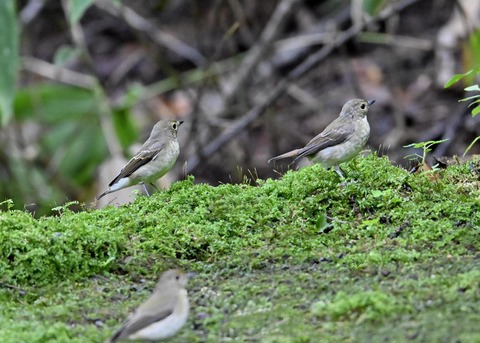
column 341, row 140
column 154, row 159
column 162, row 315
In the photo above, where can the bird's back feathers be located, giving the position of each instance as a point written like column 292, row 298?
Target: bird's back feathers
column 140, row 159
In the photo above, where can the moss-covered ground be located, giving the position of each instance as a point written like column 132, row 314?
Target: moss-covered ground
column 392, row 257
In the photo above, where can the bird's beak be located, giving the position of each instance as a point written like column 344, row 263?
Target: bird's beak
column 370, row 102
column 180, row 122
column 191, row 274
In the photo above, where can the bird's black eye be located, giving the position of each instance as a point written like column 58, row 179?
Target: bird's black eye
column 177, row 277
column 174, row 126
column 363, row 106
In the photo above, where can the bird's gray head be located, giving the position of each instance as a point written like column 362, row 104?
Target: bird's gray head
column 356, row 108
column 174, row 276
column 166, row 127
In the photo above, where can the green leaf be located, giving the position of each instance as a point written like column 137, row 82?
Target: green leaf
column 65, row 54
column 370, row 223
column 8, row 58
column 125, row 128
column 377, row 193
column 476, row 111
column 473, row 88
column 83, row 152
column 469, row 98
column 471, row 145
column 474, row 102
column 71, row 132
column 51, row 103
column 412, row 145
column 455, row 78
column 372, row 7
column 77, row 9
column 321, row 222
column 474, row 39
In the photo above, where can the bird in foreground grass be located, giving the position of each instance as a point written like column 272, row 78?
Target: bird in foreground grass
column 162, row 315
column 342, row 139
column 154, row 159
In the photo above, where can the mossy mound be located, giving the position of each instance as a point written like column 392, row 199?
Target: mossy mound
column 390, row 256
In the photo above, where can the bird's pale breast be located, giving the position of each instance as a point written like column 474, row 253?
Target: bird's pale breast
column 159, row 166
column 344, row 152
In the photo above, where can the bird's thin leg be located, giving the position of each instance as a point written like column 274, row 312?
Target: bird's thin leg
column 145, row 188
column 345, row 182
column 153, row 185
column 339, row 171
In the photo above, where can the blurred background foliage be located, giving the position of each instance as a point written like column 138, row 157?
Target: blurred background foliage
column 84, row 81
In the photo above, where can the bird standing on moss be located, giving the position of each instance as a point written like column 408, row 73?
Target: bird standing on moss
column 342, row 139
column 154, row 159
column 162, row 315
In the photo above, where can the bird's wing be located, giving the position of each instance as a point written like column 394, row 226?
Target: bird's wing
column 326, row 139
column 139, row 321
column 140, row 159
column 156, row 308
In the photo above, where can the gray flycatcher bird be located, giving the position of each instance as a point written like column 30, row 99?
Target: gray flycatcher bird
column 342, row 139
column 154, row 159
column 162, row 315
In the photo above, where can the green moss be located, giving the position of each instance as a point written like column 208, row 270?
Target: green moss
column 387, row 256
column 361, row 306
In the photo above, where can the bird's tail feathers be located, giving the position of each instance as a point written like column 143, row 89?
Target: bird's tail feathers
column 292, row 153
column 103, row 194
column 116, row 336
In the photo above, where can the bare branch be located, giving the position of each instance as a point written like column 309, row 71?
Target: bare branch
column 58, row 73
column 159, row 37
column 273, row 29
column 31, row 10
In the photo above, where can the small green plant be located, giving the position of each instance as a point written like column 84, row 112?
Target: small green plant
column 476, row 98
column 476, row 109
column 426, row 148
column 7, row 204
column 474, row 88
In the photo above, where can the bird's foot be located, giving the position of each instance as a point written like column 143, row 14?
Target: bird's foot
column 346, row 183
column 145, row 188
